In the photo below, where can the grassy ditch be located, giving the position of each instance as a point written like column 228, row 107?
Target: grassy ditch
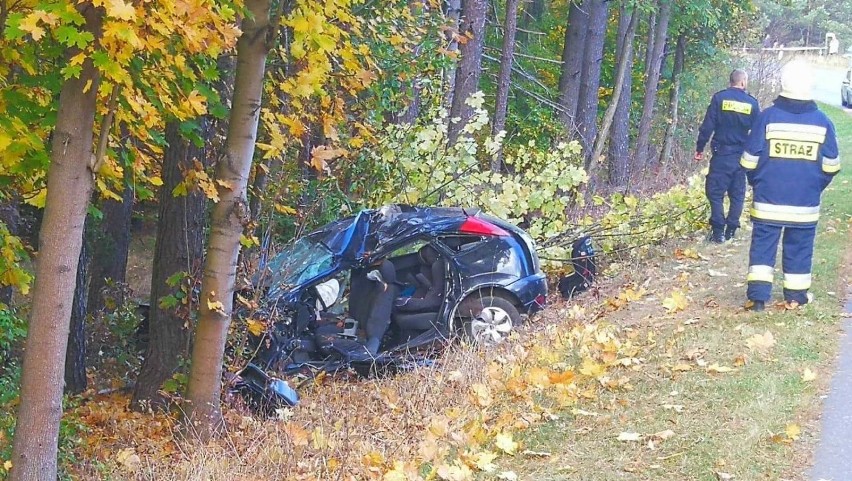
column 723, row 394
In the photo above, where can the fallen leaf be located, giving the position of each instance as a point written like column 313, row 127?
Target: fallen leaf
column 455, row 472
column 808, row 375
column 762, row 343
column 674, row 407
column 629, row 437
column 484, row 461
column 793, row 431
column 676, row 302
column 740, row 360
column 724, row 476
column 663, row 435
column 255, row 327
column 682, row 367
column 481, row 395
column 713, row 273
column 716, row 368
column 504, row 442
column 508, row 476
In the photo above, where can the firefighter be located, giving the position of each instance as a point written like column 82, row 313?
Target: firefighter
column 728, row 120
column 790, row 158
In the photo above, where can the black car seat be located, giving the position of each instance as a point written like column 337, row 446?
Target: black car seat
column 430, row 281
column 372, row 292
column 420, row 312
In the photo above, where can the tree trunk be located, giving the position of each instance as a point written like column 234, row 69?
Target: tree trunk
column 587, row 104
column 619, row 142
column 621, row 74
column 179, row 249
column 69, row 186
column 530, row 15
column 649, row 43
column 572, row 64
column 75, row 357
column 227, row 220
column 454, row 8
column 469, row 68
column 504, row 79
column 110, row 246
column 674, row 97
column 641, row 152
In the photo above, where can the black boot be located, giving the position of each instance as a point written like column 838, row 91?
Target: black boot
column 717, row 235
column 755, row 306
column 729, row 232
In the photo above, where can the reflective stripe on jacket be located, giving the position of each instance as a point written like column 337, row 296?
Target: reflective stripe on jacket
column 790, row 158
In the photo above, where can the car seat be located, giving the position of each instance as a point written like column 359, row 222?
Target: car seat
column 431, row 284
column 371, row 297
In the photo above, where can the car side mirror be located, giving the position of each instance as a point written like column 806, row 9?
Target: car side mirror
column 845, row 82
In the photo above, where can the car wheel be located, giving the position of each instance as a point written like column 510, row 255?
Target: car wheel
column 843, row 101
column 491, row 320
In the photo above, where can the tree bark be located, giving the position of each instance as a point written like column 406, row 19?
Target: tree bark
column 69, row 186
column 75, row 357
column 454, row 8
column 229, row 216
column 674, row 97
column 179, row 248
column 587, row 104
column 619, row 142
column 572, row 63
column 643, row 138
column 504, row 78
column 621, row 75
column 469, row 68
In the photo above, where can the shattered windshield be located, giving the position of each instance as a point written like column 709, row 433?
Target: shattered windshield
column 297, row 263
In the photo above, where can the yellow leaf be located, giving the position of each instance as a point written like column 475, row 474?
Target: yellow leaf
column 481, row 395
column 197, row 103
column 716, row 368
column 808, row 375
column 29, row 24
column 591, row 368
column 156, row 181
column 676, row 302
column 255, row 327
column 397, row 473
column 504, row 442
column 456, row 472
column 216, row 306
column 761, row 342
column 793, row 431
column 119, row 9
column 682, row 367
column 484, row 461
column 7, row 465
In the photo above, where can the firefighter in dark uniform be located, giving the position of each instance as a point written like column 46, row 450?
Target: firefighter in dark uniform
column 790, row 158
column 728, row 120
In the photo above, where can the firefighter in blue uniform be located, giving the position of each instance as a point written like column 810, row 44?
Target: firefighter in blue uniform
column 728, row 120
column 790, row 158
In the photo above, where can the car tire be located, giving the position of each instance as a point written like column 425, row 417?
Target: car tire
column 843, row 102
column 490, row 320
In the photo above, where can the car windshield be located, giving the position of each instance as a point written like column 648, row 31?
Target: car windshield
column 297, row 263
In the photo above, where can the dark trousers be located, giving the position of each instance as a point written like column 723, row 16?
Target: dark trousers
column 797, row 246
column 725, row 177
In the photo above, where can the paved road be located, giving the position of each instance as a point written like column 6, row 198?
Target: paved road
column 834, row 452
column 827, row 85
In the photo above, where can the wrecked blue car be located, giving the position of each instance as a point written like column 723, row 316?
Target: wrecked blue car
column 384, row 288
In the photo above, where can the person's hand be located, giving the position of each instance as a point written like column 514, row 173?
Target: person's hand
column 699, row 156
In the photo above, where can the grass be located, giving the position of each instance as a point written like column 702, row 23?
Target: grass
column 742, row 422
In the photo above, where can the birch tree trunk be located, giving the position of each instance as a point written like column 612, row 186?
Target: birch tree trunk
column 619, row 142
column 229, row 216
column 469, row 68
column 69, row 187
column 504, row 78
